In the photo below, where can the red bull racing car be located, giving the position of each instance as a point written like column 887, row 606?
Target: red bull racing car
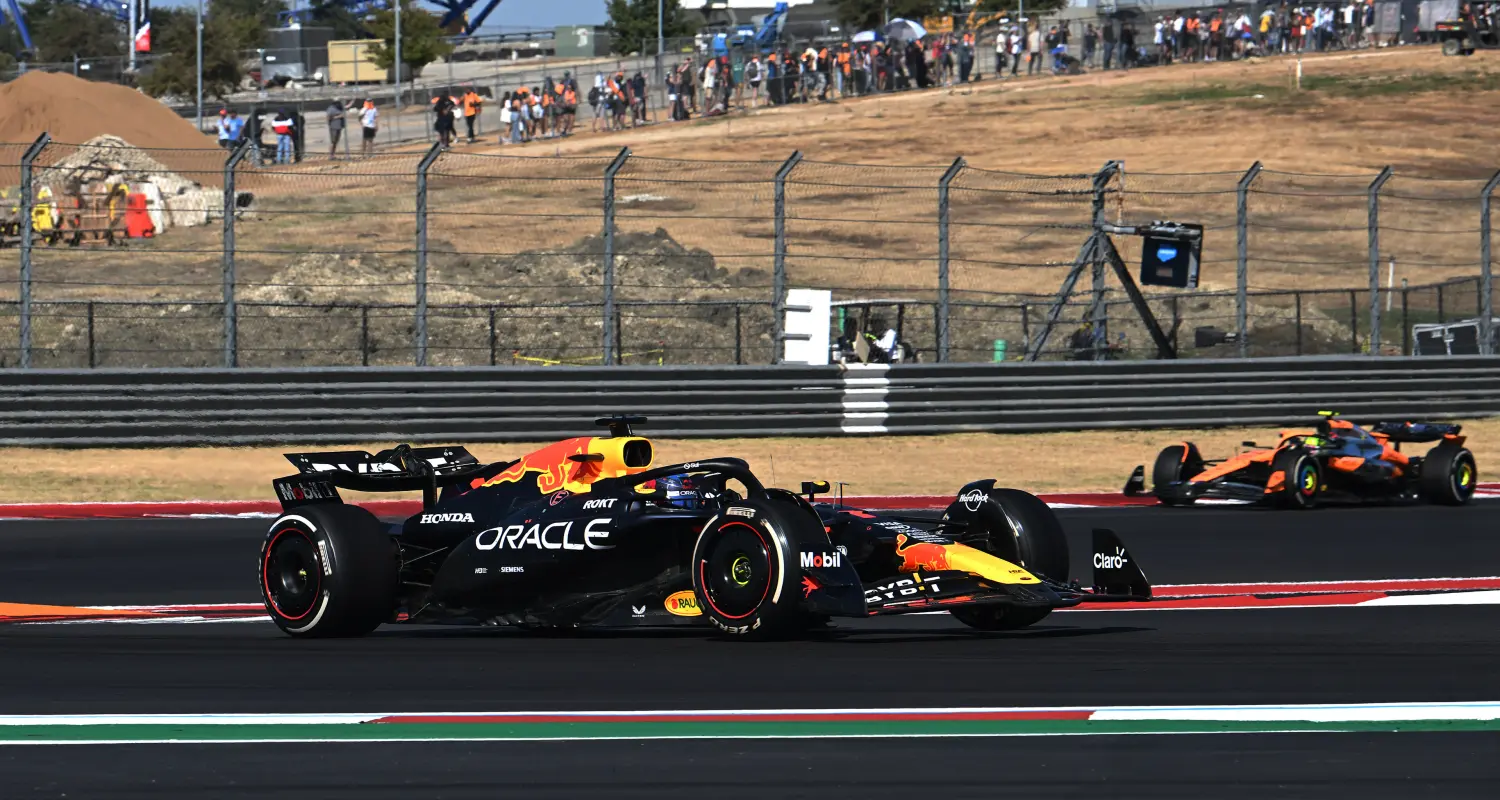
column 588, row 532
column 1337, row 460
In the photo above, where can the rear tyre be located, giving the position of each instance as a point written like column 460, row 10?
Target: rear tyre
column 1024, row 531
column 1449, row 475
column 1452, row 47
column 1174, row 464
column 329, row 571
column 746, row 572
column 1303, row 479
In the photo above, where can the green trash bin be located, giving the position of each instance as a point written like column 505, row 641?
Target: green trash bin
column 999, row 350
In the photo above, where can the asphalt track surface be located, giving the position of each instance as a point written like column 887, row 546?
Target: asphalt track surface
column 1335, row 655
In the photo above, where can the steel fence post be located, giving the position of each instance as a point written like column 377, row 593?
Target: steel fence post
column 1098, row 308
column 1242, row 258
column 943, row 276
column 231, row 308
column 609, row 321
column 1374, row 202
column 778, row 272
column 1486, row 284
column 420, row 327
column 28, row 159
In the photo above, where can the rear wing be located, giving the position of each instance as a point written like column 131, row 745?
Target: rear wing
column 401, row 469
column 1415, row 432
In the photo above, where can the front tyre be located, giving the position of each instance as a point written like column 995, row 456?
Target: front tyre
column 1449, row 475
column 1174, row 464
column 1020, row 528
column 329, row 571
column 746, row 572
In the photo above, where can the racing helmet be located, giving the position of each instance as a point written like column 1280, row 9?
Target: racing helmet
column 682, row 491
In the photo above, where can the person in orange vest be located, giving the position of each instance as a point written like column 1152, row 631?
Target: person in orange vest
column 533, row 114
column 841, row 73
column 472, row 104
column 569, row 106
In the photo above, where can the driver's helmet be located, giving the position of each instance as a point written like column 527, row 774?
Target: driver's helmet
column 682, row 491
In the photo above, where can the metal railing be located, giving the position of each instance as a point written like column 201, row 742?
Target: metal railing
column 155, row 408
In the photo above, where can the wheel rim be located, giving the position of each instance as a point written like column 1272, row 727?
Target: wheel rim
column 736, row 571
column 292, row 574
column 1463, row 478
column 1307, row 479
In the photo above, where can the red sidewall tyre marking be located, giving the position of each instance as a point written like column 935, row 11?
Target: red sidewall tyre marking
column 703, row 577
column 265, row 574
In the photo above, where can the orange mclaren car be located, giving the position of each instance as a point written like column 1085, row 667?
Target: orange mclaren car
column 1337, row 460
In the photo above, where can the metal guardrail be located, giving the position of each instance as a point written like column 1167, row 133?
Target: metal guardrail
column 950, row 398
column 137, row 408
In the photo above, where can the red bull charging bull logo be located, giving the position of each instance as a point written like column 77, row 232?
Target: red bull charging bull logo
column 552, row 467
column 920, row 555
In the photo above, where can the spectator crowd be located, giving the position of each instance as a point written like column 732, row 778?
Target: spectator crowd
column 709, row 84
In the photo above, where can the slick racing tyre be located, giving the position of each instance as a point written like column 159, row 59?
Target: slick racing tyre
column 329, row 571
column 1449, row 475
column 1303, row 481
column 746, row 572
column 1178, row 462
column 1023, row 530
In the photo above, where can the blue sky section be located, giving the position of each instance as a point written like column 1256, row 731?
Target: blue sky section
column 531, row 14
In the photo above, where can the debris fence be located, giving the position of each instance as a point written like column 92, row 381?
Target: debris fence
column 115, row 256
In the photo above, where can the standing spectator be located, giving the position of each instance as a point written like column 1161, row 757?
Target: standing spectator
column 710, row 80
column 821, row 74
column 965, row 58
column 442, row 118
column 505, row 118
column 843, row 75
column 1127, row 46
column 596, row 101
column 754, row 74
column 1002, row 48
column 222, row 127
column 473, row 105
column 284, row 125
column 638, row 94
column 236, row 127
column 1034, row 50
column 569, row 105
column 1017, row 44
column 518, row 114
column 1090, row 40
column 1108, row 35
column 1159, row 38
column 369, row 123
column 674, row 97
column 689, row 85
column 335, row 115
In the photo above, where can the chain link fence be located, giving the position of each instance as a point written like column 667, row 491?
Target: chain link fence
column 117, row 256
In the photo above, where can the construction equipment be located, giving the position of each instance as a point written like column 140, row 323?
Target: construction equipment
column 728, row 34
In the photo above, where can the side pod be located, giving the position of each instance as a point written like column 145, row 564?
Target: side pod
column 1116, row 572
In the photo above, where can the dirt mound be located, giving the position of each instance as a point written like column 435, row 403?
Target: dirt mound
column 75, row 110
column 650, row 266
column 546, row 303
